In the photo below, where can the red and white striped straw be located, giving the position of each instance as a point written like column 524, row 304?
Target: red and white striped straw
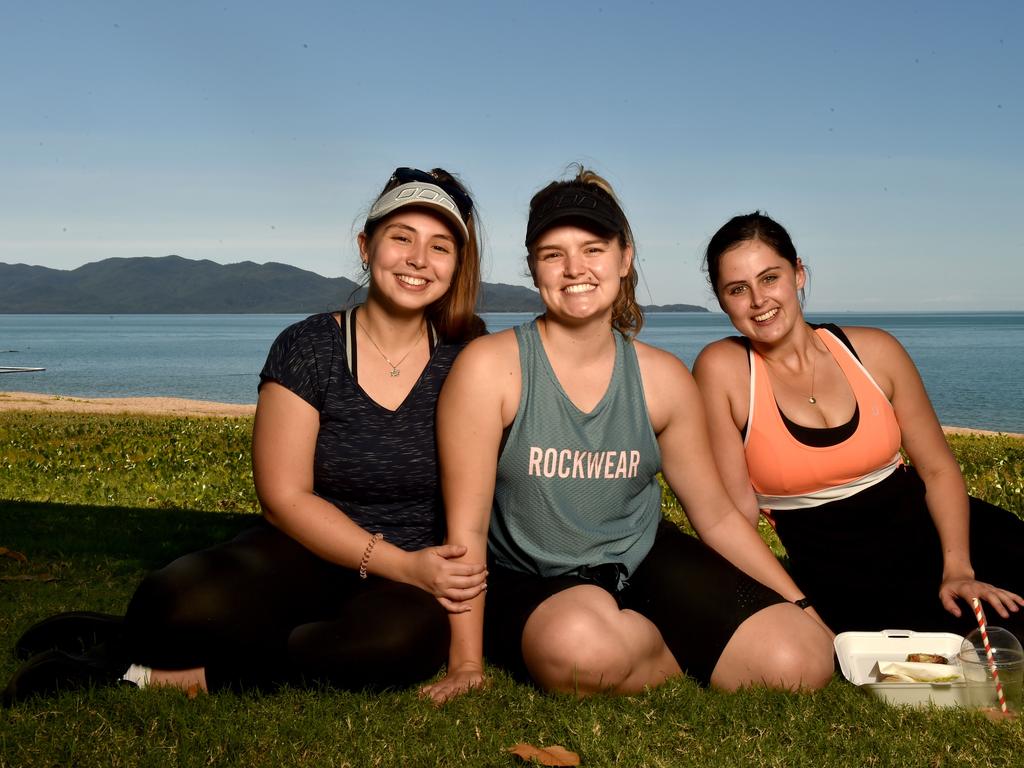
column 979, row 614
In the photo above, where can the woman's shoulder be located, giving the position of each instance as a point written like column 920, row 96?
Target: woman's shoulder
column 491, row 343
column 657, row 359
column 664, row 376
column 728, row 347
column 319, row 320
column 314, row 334
column 866, row 340
column 299, row 357
column 724, row 355
column 485, row 374
column 883, row 356
column 320, row 324
column 489, row 350
column 722, row 370
column 865, row 332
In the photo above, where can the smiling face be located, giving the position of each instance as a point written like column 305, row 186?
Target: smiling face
column 412, row 257
column 759, row 290
column 577, row 272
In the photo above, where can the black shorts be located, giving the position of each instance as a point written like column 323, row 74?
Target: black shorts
column 694, row 596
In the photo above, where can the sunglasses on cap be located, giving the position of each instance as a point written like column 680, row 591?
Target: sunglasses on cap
column 462, row 200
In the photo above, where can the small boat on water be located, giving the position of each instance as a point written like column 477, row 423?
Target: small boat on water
column 18, row 369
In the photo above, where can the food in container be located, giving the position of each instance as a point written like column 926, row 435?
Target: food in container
column 927, row 658
column 863, row 654
column 918, row 672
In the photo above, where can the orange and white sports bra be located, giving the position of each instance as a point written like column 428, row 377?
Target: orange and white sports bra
column 789, row 474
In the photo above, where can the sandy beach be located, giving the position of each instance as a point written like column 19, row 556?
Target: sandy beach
column 177, row 406
column 158, row 406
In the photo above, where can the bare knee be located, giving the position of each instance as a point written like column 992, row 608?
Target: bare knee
column 801, row 661
column 779, row 646
column 574, row 652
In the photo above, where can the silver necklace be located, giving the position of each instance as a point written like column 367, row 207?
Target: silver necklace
column 394, row 366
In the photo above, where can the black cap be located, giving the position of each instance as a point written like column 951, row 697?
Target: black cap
column 581, row 202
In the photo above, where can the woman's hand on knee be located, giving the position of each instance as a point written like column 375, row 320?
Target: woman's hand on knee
column 438, row 571
column 455, row 683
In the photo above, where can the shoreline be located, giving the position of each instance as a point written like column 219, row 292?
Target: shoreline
column 180, row 406
column 149, row 406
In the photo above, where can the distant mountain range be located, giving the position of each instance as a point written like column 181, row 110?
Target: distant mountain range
column 175, row 285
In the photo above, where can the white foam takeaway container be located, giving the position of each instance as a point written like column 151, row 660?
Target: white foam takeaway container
column 860, row 652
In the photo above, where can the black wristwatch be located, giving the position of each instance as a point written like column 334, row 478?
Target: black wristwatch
column 802, row 603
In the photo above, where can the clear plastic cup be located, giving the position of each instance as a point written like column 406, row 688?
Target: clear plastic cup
column 1009, row 662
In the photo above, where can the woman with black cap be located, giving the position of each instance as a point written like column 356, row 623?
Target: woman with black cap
column 588, row 589
column 345, row 581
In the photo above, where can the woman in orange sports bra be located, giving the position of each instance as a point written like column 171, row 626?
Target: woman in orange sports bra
column 807, row 423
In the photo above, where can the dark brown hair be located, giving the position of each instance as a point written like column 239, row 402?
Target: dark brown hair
column 742, row 229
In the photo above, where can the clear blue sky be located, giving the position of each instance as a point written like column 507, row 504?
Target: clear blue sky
column 886, row 136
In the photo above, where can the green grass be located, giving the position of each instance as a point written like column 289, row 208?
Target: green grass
column 95, row 502
column 993, row 468
column 127, row 461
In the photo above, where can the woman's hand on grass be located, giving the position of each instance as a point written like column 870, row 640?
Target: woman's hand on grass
column 455, row 683
column 453, row 583
column 967, row 589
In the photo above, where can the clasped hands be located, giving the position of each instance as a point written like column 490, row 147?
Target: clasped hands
column 438, row 571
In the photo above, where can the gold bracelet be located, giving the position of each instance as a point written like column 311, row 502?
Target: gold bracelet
column 367, row 552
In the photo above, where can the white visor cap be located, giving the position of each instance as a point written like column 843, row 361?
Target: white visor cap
column 421, row 194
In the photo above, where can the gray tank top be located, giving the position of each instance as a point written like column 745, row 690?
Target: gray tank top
column 576, row 489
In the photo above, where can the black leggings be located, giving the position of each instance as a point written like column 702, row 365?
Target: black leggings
column 873, row 561
column 262, row 610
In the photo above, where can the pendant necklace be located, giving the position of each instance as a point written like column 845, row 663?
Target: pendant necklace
column 394, row 366
column 814, row 364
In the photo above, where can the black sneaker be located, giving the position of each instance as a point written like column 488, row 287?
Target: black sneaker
column 51, row 672
column 75, row 632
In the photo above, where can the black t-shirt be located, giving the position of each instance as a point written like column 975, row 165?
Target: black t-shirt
column 377, row 466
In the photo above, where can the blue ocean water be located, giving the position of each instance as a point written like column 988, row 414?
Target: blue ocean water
column 972, row 363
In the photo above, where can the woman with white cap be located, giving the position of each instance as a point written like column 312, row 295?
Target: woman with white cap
column 346, row 580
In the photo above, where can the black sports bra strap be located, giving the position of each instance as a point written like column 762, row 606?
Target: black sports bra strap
column 836, row 331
